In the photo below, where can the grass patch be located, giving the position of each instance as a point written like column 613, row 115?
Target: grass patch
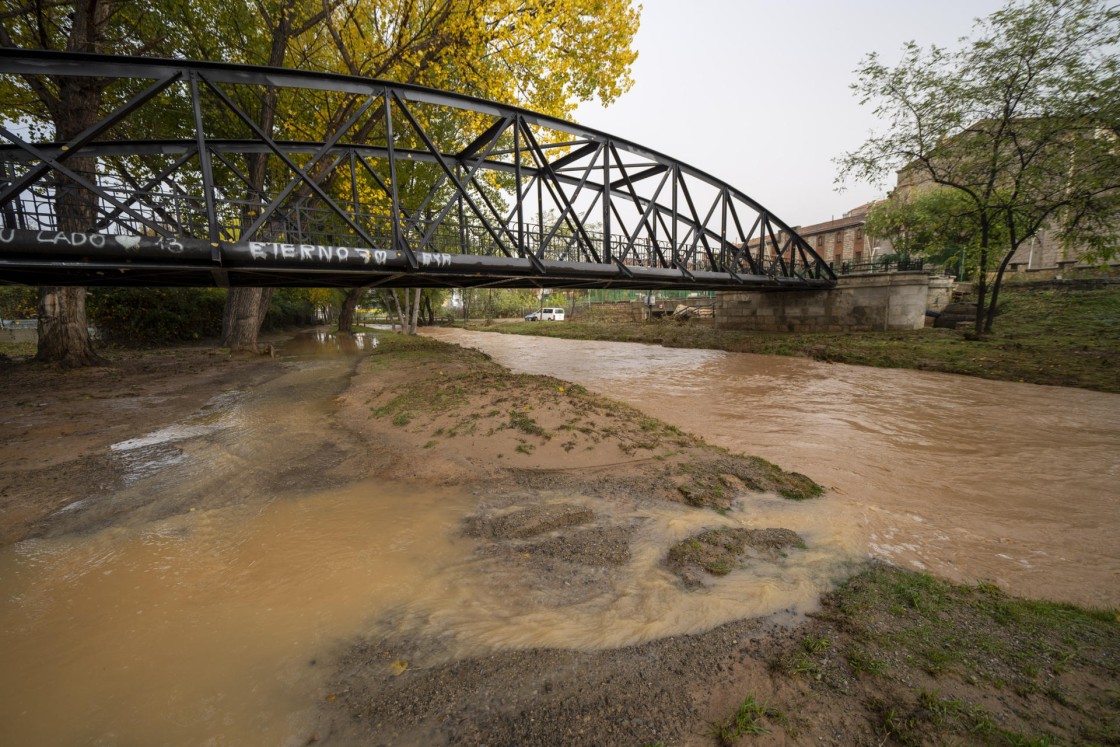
column 747, row 719
column 887, row 633
column 712, row 483
column 522, row 422
column 718, row 551
column 18, row 349
column 914, row 723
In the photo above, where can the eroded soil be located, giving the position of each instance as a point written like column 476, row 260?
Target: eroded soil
column 891, row 658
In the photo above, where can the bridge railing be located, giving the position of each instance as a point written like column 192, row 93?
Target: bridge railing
column 305, row 223
column 889, row 264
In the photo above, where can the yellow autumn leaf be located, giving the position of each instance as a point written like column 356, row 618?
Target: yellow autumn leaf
column 398, row 667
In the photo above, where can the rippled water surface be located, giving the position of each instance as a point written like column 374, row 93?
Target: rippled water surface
column 218, row 624
column 972, row 479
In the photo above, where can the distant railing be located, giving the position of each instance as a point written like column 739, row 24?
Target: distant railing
column 879, row 265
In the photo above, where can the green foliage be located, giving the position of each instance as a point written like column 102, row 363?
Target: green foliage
column 155, row 316
column 291, row 307
column 937, row 223
column 18, row 302
column 547, row 55
column 1021, row 121
column 497, row 303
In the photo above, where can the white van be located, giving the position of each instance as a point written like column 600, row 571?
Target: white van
column 547, row 315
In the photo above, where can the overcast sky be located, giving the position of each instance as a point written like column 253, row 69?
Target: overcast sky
column 756, row 92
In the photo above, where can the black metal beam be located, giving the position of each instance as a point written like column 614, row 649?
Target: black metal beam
column 593, row 171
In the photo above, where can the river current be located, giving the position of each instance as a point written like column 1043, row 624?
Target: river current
column 1011, row 483
column 218, row 625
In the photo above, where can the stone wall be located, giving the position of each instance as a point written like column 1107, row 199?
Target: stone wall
column 859, row 303
column 940, row 292
column 612, row 311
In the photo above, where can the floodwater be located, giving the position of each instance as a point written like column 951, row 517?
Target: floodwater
column 1012, row 483
column 212, row 614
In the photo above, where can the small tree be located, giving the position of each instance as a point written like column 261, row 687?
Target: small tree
column 938, row 224
column 1021, row 120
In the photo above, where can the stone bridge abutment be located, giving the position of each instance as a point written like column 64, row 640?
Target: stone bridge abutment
column 858, row 303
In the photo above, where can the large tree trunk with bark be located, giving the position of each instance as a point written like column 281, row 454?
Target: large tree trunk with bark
column 244, row 313
column 246, row 307
column 64, row 336
column 63, row 325
column 349, row 306
column 63, row 328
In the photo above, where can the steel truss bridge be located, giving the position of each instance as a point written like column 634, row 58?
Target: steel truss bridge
column 354, row 183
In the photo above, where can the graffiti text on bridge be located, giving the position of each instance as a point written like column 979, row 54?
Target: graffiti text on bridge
column 316, row 253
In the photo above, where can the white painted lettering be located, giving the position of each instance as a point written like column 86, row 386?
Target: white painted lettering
column 257, row 250
column 437, row 259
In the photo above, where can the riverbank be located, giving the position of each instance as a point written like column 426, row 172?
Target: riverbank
column 1059, row 337
column 565, row 484
column 891, row 656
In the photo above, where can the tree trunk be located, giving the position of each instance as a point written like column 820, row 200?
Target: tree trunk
column 246, row 307
column 349, row 306
column 429, row 314
column 414, row 315
column 1014, row 241
column 398, row 309
column 996, row 285
column 981, row 280
column 63, row 326
column 63, row 330
column 244, row 314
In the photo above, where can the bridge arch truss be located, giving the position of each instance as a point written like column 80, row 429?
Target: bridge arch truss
column 358, row 182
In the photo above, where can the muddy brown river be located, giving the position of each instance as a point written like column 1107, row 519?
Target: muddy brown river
column 969, row 479
column 216, row 625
